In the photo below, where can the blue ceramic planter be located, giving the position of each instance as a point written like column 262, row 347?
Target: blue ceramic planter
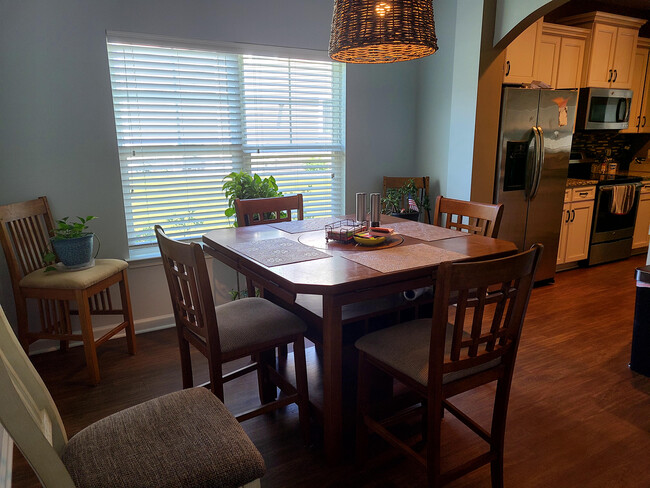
column 74, row 252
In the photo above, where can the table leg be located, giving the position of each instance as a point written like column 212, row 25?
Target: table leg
column 332, row 379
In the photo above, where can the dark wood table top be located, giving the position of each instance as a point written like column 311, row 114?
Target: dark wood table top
column 336, row 274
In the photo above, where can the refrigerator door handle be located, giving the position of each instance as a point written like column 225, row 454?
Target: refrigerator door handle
column 531, row 163
column 535, row 173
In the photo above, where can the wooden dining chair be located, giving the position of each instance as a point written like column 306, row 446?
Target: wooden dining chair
column 238, row 329
column 25, row 229
column 257, row 211
column 186, row 438
column 473, row 217
column 421, row 184
column 458, row 350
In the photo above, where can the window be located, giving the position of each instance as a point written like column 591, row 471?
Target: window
column 187, row 117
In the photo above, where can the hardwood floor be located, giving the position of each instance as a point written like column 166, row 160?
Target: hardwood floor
column 578, row 416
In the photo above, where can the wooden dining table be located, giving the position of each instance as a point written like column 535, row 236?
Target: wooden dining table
column 323, row 280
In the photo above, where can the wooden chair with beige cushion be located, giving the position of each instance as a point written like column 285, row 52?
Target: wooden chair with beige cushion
column 238, row 329
column 187, row 438
column 25, row 229
column 473, row 217
column 257, row 211
column 421, row 184
column 461, row 348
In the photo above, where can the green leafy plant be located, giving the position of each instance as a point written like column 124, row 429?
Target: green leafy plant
column 242, row 185
column 70, row 230
column 395, row 199
column 66, row 230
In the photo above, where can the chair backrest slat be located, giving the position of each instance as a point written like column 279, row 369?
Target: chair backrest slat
column 472, row 217
column 257, row 211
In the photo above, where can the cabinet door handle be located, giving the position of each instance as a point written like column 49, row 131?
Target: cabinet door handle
column 643, row 121
column 615, row 76
column 610, row 76
column 568, row 216
column 507, row 68
column 573, row 215
column 583, row 193
column 638, row 121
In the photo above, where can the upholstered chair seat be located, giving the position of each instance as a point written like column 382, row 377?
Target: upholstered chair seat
column 186, row 438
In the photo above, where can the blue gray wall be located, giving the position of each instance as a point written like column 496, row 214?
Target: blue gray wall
column 57, row 134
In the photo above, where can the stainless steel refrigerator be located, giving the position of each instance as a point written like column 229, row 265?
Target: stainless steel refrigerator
column 535, row 135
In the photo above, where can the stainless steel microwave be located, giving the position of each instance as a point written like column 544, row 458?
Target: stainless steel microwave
column 603, row 108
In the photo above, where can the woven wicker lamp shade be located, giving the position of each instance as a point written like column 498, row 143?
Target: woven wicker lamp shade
column 382, row 31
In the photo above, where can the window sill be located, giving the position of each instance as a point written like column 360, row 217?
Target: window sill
column 144, row 257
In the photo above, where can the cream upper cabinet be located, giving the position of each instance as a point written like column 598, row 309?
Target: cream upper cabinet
column 640, row 106
column 610, row 49
column 560, row 55
column 521, row 56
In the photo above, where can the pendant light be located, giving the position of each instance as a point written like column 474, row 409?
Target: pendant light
column 382, row 31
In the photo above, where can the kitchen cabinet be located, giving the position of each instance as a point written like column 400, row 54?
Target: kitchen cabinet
column 521, row 56
column 610, row 48
column 642, row 226
column 576, row 224
column 560, row 55
column 640, row 106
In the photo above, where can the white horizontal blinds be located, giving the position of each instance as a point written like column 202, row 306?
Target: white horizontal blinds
column 186, row 118
column 294, row 127
column 178, row 119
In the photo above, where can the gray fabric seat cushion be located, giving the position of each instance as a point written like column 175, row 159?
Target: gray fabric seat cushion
column 405, row 347
column 250, row 321
column 184, row 439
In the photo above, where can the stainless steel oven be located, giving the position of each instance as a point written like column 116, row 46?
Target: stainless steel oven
column 614, row 219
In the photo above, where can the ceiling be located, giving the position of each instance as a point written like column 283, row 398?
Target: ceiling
column 632, row 8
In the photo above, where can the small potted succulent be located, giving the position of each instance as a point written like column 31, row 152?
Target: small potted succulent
column 71, row 243
column 397, row 202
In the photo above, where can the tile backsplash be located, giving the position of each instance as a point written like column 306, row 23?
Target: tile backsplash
column 595, row 143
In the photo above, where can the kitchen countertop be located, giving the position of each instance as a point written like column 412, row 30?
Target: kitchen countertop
column 577, row 182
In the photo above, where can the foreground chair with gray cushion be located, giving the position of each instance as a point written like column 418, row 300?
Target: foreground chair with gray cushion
column 184, row 439
column 462, row 347
column 235, row 330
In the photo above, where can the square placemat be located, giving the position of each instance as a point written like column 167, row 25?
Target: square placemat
column 279, row 251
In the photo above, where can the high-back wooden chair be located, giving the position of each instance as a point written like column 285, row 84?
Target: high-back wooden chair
column 186, row 438
column 473, row 217
column 461, row 348
column 257, row 211
column 245, row 327
column 25, row 229
column 421, row 184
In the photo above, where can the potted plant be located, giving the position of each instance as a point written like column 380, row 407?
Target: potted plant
column 395, row 202
column 71, row 243
column 243, row 186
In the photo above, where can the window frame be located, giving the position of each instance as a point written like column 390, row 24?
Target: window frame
column 338, row 186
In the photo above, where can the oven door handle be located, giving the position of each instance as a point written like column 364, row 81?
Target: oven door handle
column 611, row 187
